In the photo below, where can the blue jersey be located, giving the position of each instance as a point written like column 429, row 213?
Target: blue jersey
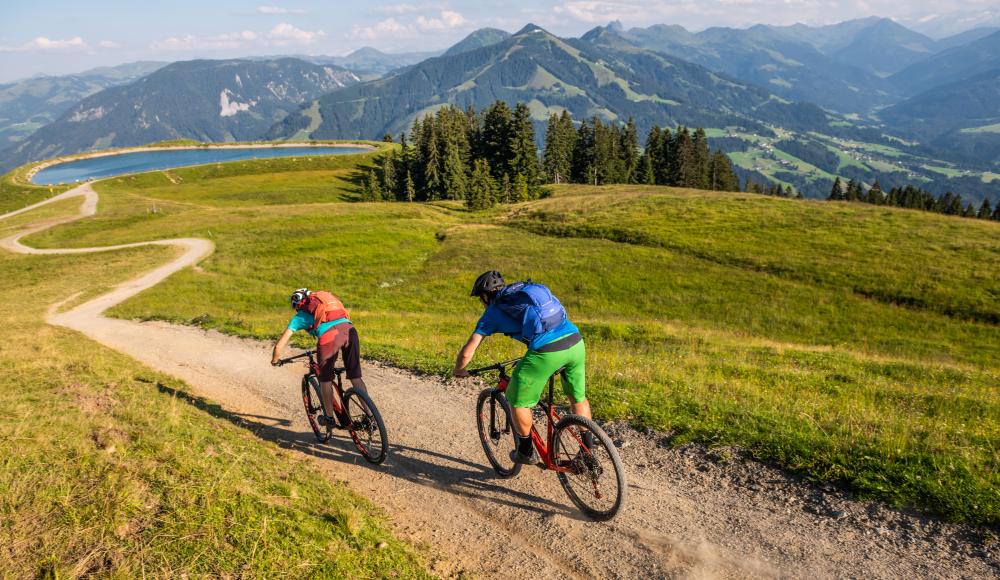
column 495, row 320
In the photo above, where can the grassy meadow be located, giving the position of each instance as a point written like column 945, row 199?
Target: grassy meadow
column 850, row 343
column 110, row 469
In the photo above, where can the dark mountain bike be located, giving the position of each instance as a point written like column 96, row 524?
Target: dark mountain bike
column 592, row 476
column 354, row 411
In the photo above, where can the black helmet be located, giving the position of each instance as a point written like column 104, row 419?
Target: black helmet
column 487, row 282
column 298, row 297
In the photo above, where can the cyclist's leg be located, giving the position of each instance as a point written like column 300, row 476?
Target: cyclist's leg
column 574, row 379
column 327, row 348
column 526, row 386
column 352, row 360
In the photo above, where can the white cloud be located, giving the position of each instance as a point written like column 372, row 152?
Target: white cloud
column 448, row 20
column 387, row 27
column 42, row 43
column 279, row 10
column 108, row 44
column 283, row 34
column 595, row 12
column 443, row 21
column 398, row 9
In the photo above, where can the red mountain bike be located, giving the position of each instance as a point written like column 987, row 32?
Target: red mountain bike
column 592, row 476
column 353, row 411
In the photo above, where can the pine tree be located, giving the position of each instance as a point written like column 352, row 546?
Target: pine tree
column 524, row 153
column 700, row 157
column 552, row 160
column 875, row 195
column 646, row 175
column 455, row 180
column 506, row 193
column 837, row 192
column 495, row 145
column 521, row 189
column 482, row 187
column 721, row 174
column 387, row 138
column 955, row 207
column 389, row 174
column 984, row 210
column 583, row 154
column 970, row 211
column 853, row 192
column 560, row 139
column 996, row 212
column 683, row 163
column 411, row 190
column 630, row 153
column 374, row 189
column 433, row 176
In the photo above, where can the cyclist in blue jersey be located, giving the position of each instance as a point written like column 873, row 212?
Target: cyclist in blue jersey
column 558, row 347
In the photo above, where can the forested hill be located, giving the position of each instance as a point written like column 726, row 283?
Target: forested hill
column 612, row 83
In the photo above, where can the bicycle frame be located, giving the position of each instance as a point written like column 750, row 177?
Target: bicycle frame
column 546, row 446
column 338, row 403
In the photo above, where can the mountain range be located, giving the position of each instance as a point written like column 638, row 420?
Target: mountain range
column 863, row 81
column 206, row 100
column 27, row 105
column 550, row 74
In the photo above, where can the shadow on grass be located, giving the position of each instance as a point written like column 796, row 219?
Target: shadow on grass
column 464, row 479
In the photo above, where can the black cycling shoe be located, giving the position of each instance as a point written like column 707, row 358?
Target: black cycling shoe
column 326, row 421
column 530, row 459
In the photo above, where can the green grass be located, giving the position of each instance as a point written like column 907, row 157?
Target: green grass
column 110, row 469
column 15, row 193
column 947, row 171
column 994, row 128
column 950, row 268
column 835, row 339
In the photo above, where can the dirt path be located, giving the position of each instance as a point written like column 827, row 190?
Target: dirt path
column 691, row 513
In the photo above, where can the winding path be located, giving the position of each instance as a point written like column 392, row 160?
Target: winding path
column 688, row 514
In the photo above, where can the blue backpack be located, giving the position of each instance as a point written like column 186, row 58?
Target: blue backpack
column 534, row 305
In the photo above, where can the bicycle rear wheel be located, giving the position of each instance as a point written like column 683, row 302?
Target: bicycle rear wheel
column 595, row 478
column 496, row 426
column 366, row 426
column 314, row 407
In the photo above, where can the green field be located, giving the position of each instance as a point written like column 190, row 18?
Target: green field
column 850, row 343
column 110, row 469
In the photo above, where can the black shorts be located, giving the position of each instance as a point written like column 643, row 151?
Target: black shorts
column 340, row 338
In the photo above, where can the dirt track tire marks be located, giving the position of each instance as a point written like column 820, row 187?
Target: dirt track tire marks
column 688, row 514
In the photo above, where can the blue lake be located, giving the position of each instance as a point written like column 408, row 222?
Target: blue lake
column 112, row 165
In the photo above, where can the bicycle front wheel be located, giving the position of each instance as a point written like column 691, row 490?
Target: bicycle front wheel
column 496, row 431
column 366, row 426
column 314, row 407
column 592, row 475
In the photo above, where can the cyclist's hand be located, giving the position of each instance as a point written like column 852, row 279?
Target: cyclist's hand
column 461, row 373
column 275, row 362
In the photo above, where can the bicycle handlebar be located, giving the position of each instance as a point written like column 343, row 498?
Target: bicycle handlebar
column 285, row 361
column 495, row 367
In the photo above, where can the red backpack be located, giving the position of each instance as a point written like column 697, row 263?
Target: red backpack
column 324, row 307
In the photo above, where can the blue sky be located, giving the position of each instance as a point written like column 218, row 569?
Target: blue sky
column 62, row 36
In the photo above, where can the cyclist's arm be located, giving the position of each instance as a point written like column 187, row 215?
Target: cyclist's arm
column 465, row 355
column 280, row 345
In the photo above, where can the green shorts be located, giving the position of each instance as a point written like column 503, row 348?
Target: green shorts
column 535, row 368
